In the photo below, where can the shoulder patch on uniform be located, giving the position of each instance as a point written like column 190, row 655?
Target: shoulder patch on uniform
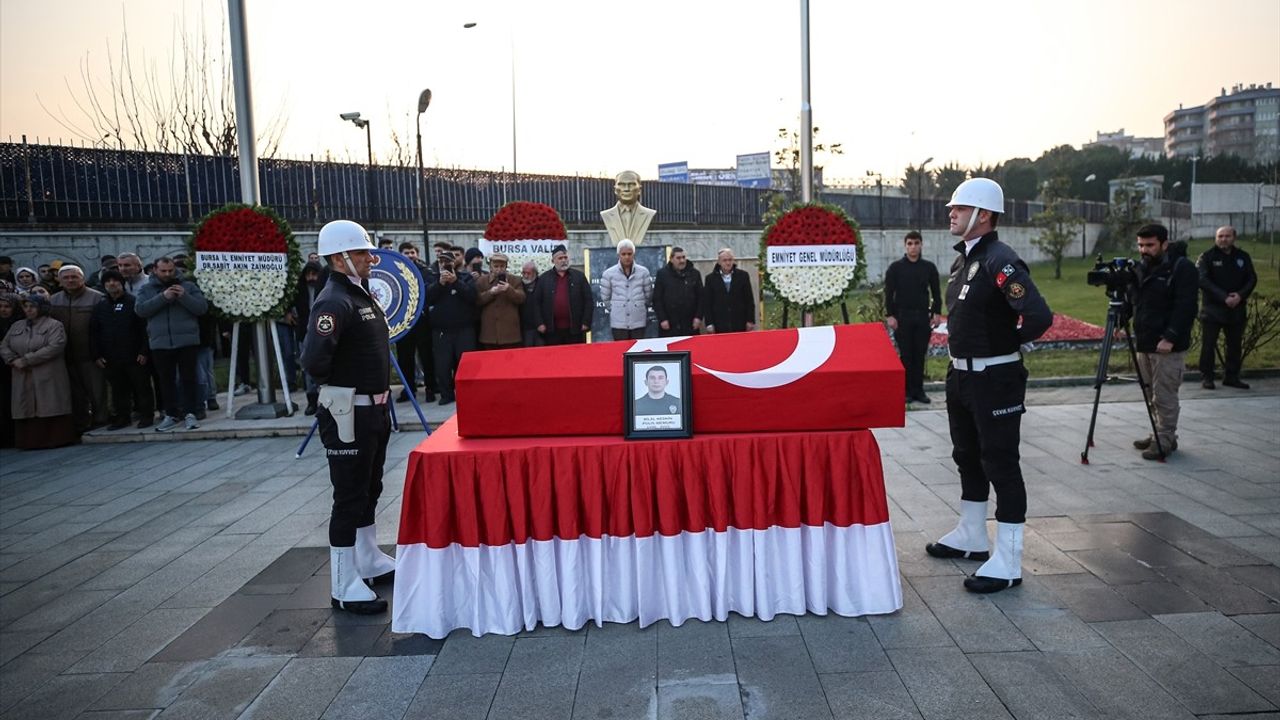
column 325, row 323
column 1016, row 290
column 1003, row 276
column 973, row 269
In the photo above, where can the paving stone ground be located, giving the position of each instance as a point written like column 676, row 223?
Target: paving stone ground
column 190, row 580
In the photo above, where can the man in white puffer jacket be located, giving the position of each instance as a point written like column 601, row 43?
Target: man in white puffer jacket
column 627, row 290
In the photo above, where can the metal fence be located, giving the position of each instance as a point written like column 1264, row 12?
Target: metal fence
column 58, row 185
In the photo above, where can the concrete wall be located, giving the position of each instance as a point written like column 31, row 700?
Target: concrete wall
column 1250, row 208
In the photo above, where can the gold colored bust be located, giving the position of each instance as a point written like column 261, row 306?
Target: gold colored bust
column 628, row 219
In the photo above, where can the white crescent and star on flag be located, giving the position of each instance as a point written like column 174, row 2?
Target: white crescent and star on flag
column 814, row 346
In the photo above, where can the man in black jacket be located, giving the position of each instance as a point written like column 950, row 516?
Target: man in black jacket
column 118, row 345
column 416, row 342
column 1227, row 278
column 677, row 297
column 451, row 297
column 908, row 285
column 564, row 302
column 727, row 302
column 1164, row 302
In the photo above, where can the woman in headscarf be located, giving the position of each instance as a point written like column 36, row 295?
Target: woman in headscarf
column 26, row 279
column 34, row 349
column 10, row 313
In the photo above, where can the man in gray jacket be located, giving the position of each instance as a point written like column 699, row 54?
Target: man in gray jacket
column 626, row 289
column 172, row 307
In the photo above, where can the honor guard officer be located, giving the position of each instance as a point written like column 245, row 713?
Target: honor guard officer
column 989, row 289
column 347, row 351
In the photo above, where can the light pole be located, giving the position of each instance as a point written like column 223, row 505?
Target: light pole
column 511, row 42
column 355, row 119
column 806, row 110
column 1084, row 226
column 920, row 190
column 1194, row 159
column 1173, row 211
column 424, row 99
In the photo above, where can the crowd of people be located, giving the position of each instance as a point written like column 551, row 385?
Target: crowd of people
column 116, row 346
column 477, row 303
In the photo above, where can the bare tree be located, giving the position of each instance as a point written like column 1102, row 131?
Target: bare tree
column 187, row 106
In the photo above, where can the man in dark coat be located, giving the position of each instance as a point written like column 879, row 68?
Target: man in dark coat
column 564, row 302
column 727, row 302
column 677, row 297
column 909, row 283
column 451, row 297
column 1227, row 278
column 118, row 344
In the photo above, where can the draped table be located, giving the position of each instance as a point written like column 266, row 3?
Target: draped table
column 501, row 534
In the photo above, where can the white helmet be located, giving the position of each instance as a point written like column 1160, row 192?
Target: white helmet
column 341, row 236
column 980, row 193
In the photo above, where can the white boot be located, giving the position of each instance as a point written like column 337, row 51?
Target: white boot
column 371, row 563
column 346, row 590
column 1004, row 569
column 969, row 538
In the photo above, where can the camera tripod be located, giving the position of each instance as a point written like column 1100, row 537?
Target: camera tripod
column 1118, row 314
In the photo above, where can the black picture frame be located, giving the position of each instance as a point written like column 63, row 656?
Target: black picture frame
column 640, row 424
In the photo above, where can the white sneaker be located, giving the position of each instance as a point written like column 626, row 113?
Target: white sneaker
column 167, row 424
column 243, row 389
column 191, row 422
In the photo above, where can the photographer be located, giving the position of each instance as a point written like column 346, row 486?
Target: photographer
column 451, row 297
column 172, row 306
column 1164, row 301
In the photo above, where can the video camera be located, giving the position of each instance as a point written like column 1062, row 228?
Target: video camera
column 1115, row 274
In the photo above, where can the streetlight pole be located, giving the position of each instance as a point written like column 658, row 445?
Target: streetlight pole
column 355, row 119
column 1084, row 226
column 424, row 99
column 1194, row 160
column 806, row 110
column 1173, row 209
column 920, row 191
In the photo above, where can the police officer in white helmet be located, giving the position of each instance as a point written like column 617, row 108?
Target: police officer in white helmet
column 347, row 350
column 990, row 289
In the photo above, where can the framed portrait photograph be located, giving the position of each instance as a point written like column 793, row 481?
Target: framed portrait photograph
column 658, row 395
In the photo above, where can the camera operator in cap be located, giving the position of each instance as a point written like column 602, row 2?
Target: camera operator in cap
column 1164, row 308
column 347, row 350
column 1227, row 278
column 990, row 288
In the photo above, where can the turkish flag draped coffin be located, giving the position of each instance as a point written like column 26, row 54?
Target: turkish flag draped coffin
column 807, row 379
column 500, row 535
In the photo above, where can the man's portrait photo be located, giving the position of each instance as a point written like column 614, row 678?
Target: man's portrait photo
column 657, row 389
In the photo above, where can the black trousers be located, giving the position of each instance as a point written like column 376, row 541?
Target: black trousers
column 685, row 328
column 130, row 385
column 912, row 337
column 355, row 470
column 627, row 334
column 1209, row 331
column 563, row 337
column 417, row 343
column 180, row 379
column 448, row 346
column 984, row 410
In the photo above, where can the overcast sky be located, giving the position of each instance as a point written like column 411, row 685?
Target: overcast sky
column 602, row 87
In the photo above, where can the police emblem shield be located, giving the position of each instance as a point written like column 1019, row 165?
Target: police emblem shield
column 398, row 288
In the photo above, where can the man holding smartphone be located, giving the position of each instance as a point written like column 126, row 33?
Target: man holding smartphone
column 500, row 298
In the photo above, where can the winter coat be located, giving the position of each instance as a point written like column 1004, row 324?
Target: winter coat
column 728, row 309
column 677, row 298
column 1221, row 274
column 171, row 325
column 627, row 299
column 1164, row 302
column 41, row 389
column 581, row 304
column 116, row 333
column 452, row 306
column 74, row 314
column 500, row 313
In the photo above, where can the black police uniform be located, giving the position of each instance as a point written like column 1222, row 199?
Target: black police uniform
column 347, row 345
column 911, row 295
column 989, row 289
column 1221, row 274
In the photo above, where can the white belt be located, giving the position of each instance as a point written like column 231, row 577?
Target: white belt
column 980, row 364
column 366, row 399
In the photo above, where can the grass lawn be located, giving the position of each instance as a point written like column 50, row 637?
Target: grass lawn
column 1070, row 295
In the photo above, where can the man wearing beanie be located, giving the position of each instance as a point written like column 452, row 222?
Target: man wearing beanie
column 564, row 302
column 118, row 343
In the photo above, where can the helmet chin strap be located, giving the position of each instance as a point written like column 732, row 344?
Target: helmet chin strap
column 973, row 220
column 351, row 267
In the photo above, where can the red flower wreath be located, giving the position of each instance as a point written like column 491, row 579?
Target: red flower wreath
column 525, row 221
column 236, row 227
column 812, row 224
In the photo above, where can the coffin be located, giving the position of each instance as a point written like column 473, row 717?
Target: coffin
column 807, row 379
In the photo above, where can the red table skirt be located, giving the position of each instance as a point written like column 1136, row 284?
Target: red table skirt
column 498, row 535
